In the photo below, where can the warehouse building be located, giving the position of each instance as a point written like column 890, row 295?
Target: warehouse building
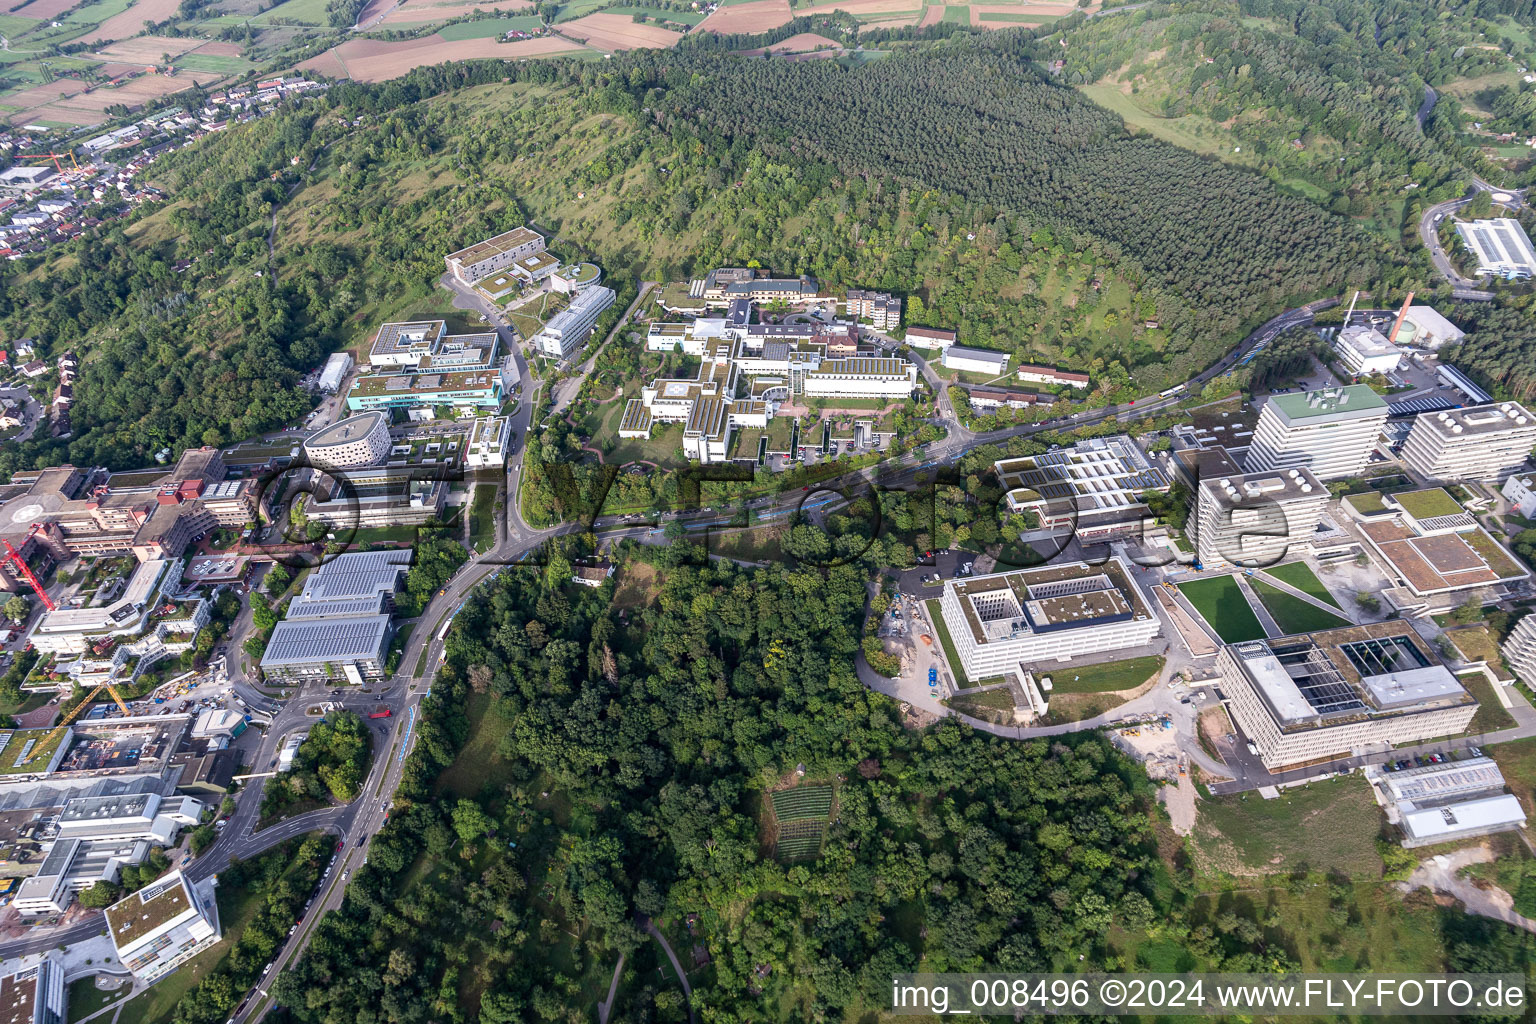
column 162, row 926
column 1501, row 246
column 1316, row 697
column 1332, row 432
column 1008, row 621
column 975, row 360
column 337, row 366
column 1256, row 518
column 1484, row 442
column 499, row 253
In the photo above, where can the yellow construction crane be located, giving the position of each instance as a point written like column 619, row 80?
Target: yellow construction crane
column 58, row 730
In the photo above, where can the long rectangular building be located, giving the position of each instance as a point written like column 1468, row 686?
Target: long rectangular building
column 1331, row 431
column 1501, row 246
column 497, row 253
column 1485, row 442
column 1317, row 697
column 569, row 329
column 162, row 926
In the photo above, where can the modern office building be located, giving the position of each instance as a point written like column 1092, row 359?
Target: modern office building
column 499, row 253
column 569, row 329
column 402, row 346
column 1009, row 621
column 1316, row 697
column 1256, row 518
column 489, row 438
column 379, row 496
column 356, row 442
column 1501, row 246
column 1092, row 489
column 1520, row 649
column 1484, row 442
column 861, row 377
column 35, row 994
column 975, row 360
column 1365, row 350
column 1435, row 551
column 481, row 389
column 162, row 926
column 338, row 628
column 1332, row 432
column 141, row 604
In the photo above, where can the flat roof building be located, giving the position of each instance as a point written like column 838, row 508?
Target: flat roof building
column 1317, row 697
column 929, row 337
column 1501, row 246
column 497, row 253
column 35, row 994
column 569, row 329
column 339, row 626
column 975, row 360
column 1365, row 350
column 1256, row 518
column 1424, row 327
column 489, row 437
column 1458, row 800
column 1435, row 550
column 1008, row 621
column 1332, row 432
column 1093, row 488
column 353, row 443
column 162, row 926
column 1484, row 442
column 1519, row 649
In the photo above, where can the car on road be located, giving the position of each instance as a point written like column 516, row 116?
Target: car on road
column 339, row 844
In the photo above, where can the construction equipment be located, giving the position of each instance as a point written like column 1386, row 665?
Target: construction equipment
column 56, row 158
column 58, row 730
column 13, row 559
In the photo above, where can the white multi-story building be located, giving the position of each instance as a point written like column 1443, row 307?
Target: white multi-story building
column 357, row 442
column 162, row 926
column 1332, row 432
column 137, row 609
column 862, row 377
column 1341, row 692
column 36, row 994
column 498, row 253
column 881, row 309
column 1520, row 649
column 1365, row 350
column 1008, row 621
column 975, row 360
column 1484, row 442
column 488, row 440
column 1520, row 491
column 1254, row 519
column 569, row 329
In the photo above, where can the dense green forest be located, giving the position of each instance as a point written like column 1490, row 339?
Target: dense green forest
column 589, row 761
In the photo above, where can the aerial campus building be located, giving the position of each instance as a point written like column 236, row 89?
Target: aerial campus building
column 881, row 309
column 1437, row 803
column 1365, row 350
column 569, row 329
column 1008, row 621
column 976, row 360
column 339, row 625
column 1433, row 550
column 1316, row 697
column 1332, row 432
column 748, row 371
column 422, row 365
column 1501, row 247
column 725, row 285
column 353, row 443
column 35, row 994
column 1093, row 488
column 1485, row 442
column 1520, row 649
column 1253, row 519
column 499, row 253
column 162, row 926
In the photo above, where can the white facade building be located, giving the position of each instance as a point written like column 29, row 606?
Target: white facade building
column 1485, row 442
column 569, row 329
column 337, row 366
column 162, row 926
column 1518, row 491
column 1501, row 247
column 1365, row 350
column 1332, row 432
column 976, row 360
column 35, row 994
column 357, row 442
column 862, row 377
column 1012, row 619
column 1520, row 649
column 488, row 440
column 1255, row 519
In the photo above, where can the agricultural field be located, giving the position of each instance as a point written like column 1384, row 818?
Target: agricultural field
column 801, row 814
column 378, row 60
column 610, row 32
column 424, row 11
column 1222, row 605
column 757, row 16
column 490, row 28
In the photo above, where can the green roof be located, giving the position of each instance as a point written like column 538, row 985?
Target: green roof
column 1349, row 402
column 1428, row 503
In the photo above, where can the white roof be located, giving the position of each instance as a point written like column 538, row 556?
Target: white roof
column 1413, row 686
column 1469, row 815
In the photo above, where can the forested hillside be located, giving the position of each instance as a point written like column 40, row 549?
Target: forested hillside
column 1323, row 97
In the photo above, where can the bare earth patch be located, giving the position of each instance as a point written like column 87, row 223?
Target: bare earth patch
column 759, row 16
column 133, row 20
column 618, row 32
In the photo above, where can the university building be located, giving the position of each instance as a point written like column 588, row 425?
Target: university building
column 1332, row 432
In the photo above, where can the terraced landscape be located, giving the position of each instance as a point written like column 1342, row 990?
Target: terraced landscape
column 801, row 814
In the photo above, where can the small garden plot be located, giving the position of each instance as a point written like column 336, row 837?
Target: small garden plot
column 802, row 814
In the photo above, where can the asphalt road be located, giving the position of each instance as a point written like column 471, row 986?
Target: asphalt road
column 1461, row 287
